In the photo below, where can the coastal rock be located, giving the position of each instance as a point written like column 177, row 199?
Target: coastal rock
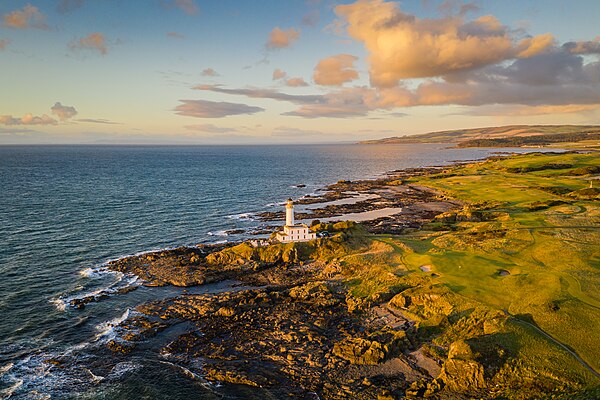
column 360, row 351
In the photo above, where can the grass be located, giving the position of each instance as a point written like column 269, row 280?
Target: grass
column 546, row 240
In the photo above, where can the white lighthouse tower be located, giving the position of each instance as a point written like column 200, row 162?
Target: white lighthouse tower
column 289, row 213
column 291, row 231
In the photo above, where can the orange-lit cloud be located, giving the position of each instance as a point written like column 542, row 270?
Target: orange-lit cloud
column 295, row 82
column 94, row 41
column 402, row 46
column 3, row 43
column 584, row 47
column 279, row 38
column 213, row 109
column 279, row 75
column 63, row 112
column 29, row 17
column 27, row 119
column 335, row 70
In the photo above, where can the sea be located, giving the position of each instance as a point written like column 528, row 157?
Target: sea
column 67, row 210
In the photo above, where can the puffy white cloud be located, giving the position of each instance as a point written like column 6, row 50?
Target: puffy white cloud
column 335, row 70
column 94, row 41
column 28, row 17
column 63, row 112
column 213, row 109
column 402, row 46
column 279, row 38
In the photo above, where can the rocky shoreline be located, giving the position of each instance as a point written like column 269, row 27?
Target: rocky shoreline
column 299, row 332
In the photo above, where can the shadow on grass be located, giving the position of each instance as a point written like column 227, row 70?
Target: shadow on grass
column 494, row 350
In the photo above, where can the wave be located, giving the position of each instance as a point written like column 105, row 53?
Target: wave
column 5, row 368
column 243, row 216
column 107, row 329
column 124, row 283
column 218, row 233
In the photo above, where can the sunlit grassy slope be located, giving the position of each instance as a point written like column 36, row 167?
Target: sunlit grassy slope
column 526, row 244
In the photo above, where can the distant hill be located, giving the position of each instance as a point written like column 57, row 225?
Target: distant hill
column 500, row 136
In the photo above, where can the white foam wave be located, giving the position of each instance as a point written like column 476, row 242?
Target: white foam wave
column 218, row 233
column 59, row 303
column 107, row 329
column 277, row 204
column 243, row 216
column 5, row 368
column 96, row 272
column 190, row 374
column 122, row 368
column 122, row 282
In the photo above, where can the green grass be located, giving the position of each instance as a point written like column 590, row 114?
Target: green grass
column 552, row 253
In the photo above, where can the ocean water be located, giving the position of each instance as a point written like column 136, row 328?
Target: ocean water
column 66, row 210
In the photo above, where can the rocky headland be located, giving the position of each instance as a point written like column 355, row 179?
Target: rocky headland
column 372, row 310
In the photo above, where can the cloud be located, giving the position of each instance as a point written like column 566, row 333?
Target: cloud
column 29, row 17
column 347, row 102
column 27, row 119
column 94, row 41
column 402, row 46
column 66, row 6
column 4, row 43
column 295, row 82
column 209, row 72
column 279, row 74
column 525, row 111
column 97, row 121
column 187, row 6
column 291, row 82
column 286, row 131
column 586, row 47
column 210, row 128
column 213, row 109
column 63, row 113
column 311, row 18
column 175, row 35
column 335, row 70
column 279, row 39
column 264, row 94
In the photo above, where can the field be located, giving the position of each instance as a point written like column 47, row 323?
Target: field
column 525, row 249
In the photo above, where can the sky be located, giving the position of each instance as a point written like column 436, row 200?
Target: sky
column 305, row 71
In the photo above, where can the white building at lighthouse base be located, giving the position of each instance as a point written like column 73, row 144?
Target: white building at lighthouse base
column 293, row 232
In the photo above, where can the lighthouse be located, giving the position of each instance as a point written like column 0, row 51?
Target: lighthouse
column 289, row 213
column 293, row 232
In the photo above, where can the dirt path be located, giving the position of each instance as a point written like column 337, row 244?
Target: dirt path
column 555, row 341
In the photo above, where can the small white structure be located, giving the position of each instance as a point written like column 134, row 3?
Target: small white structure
column 291, row 231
